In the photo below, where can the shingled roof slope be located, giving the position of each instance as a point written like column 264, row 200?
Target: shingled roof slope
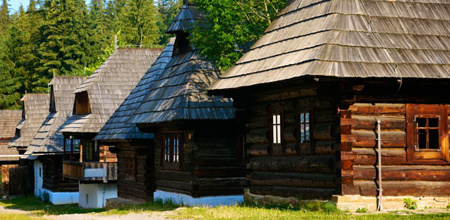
column 48, row 138
column 349, row 38
column 8, row 121
column 118, row 126
column 180, row 92
column 185, row 19
column 36, row 110
column 109, row 85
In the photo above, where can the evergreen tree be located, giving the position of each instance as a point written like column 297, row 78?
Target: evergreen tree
column 167, row 10
column 100, row 36
column 9, row 85
column 63, row 46
column 138, row 23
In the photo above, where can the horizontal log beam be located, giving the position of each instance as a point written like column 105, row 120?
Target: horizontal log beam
column 302, row 164
column 292, row 180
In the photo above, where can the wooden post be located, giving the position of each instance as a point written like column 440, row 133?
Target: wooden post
column 64, row 150
column 380, row 189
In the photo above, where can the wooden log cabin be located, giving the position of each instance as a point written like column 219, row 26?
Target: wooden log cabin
column 314, row 88
column 197, row 144
column 96, row 99
column 9, row 157
column 136, row 174
column 47, row 148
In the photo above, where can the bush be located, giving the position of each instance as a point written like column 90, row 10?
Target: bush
column 45, row 197
column 361, row 210
column 410, row 203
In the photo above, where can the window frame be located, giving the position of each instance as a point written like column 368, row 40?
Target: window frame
column 170, row 160
column 274, row 110
column 416, row 155
column 302, row 108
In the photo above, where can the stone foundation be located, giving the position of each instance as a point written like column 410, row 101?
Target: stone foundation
column 115, row 203
column 353, row 202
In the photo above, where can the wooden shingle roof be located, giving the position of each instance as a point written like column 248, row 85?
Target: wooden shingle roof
column 118, row 126
column 180, row 92
column 48, row 138
column 8, row 122
column 36, row 107
column 185, row 19
column 349, row 39
column 109, row 85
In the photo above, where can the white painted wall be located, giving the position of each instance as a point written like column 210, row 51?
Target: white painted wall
column 212, row 201
column 38, row 178
column 60, row 198
column 95, row 195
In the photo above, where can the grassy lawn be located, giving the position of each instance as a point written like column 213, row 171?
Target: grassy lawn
column 314, row 210
column 39, row 208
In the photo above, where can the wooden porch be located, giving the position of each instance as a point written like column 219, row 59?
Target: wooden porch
column 90, row 171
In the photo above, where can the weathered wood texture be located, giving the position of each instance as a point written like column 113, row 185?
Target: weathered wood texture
column 359, row 149
column 210, row 163
column 292, row 169
column 136, row 172
column 5, row 178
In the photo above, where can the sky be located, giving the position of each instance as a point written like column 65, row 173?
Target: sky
column 15, row 4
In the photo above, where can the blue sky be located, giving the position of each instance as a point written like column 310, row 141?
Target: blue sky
column 15, row 4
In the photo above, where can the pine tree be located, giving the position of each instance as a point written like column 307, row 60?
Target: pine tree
column 63, row 46
column 100, row 36
column 9, row 85
column 167, row 10
column 138, row 23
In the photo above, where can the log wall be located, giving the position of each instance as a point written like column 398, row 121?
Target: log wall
column 210, row 164
column 53, row 175
column 136, row 172
column 359, row 155
column 306, row 171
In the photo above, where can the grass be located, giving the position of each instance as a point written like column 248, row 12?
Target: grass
column 6, row 216
column 39, row 208
column 309, row 210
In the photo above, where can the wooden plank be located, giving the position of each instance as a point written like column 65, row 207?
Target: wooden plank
column 369, row 156
column 379, row 108
column 369, row 122
column 297, row 192
column 369, row 139
column 423, row 173
column 301, row 164
column 292, row 180
column 402, row 188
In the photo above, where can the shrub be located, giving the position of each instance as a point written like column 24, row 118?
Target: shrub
column 410, row 203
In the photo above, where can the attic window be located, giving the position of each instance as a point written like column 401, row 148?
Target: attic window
column 427, row 133
column 182, row 44
column 82, row 105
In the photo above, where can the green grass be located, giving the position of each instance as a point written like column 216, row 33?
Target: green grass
column 5, row 216
column 307, row 210
column 39, row 208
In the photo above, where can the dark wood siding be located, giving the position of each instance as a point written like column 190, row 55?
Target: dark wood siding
column 210, row 163
column 302, row 170
column 136, row 172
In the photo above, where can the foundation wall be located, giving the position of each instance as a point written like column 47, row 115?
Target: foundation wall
column 353, row 202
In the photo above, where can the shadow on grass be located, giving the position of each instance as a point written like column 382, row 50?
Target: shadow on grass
column 37, row 207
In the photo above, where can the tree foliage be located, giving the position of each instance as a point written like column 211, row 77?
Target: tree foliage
column 230, row 27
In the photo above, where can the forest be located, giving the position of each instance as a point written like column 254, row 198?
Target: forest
column 70, row 37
